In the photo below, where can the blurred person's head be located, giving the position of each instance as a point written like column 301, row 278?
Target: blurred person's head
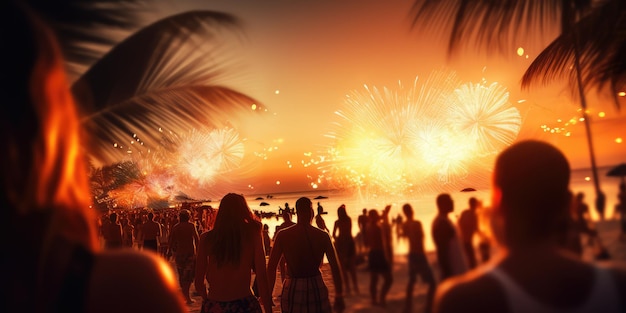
column 233, row 225
column 408, row 210
column 184, row 215
column 304, row 210
column 445, row 204
column 341, row 212
column 473, row 203
column 531, row 192
column 44, row 179
column 373, row 216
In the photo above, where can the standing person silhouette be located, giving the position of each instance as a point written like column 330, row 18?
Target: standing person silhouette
column 449, row 252
column 346, row 248
column 287, row 222
column 531, row 200
column 379, row 262
column 468, row 224
column 360, row 238
column 418, row 262
column 57, row 264
column 303, row 247
column 183, row 241
column 227, row 254
column 319, row 220
column 112, row 232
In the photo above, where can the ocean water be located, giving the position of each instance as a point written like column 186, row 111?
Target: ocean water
column 423, row 205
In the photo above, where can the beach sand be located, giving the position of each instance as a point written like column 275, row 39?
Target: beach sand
column 609, row 232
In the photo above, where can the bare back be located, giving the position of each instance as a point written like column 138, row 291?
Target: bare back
column 184, row 238
column 303, row 247
column 230, row 281
column 414, row 231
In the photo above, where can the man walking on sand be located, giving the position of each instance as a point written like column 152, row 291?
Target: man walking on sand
column 151, row 231
column 303, row 247
column 183, row 241
column 418, row 263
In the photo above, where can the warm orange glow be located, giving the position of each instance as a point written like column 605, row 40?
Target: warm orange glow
column 168, row 275
column 59, row 169
column 618, row 140
column 61, row 152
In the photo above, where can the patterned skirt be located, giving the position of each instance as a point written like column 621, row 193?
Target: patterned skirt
column 305, row 295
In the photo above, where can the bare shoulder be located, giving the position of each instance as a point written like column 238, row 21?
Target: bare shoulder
column 474, row 291
column 132, row 281
column 319, row 235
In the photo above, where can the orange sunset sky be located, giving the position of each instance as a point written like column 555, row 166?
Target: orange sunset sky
column 301, row 58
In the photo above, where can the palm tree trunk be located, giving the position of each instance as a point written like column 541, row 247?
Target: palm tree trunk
column 600, row 197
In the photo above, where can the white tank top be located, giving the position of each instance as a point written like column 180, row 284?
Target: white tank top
column 603, row 297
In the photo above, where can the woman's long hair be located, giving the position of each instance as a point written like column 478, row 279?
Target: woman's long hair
column 342, row 215
column 234, row 225
column 43, row 166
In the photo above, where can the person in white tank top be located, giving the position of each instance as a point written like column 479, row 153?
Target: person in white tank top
column 533, row 272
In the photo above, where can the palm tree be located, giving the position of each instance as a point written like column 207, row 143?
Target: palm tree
column 592, row 42
column 163, row 79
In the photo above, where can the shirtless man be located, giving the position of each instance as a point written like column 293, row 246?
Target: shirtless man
column 151, row 230
column 418, row 263
column 183, row 241
column 531, row 198
column 303, row 247
column 449, row 252
column 287, row 222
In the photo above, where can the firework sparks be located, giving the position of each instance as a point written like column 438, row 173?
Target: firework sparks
column 403, row 140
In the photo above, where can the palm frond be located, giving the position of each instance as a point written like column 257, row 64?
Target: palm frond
column 173, row 109
column 166, row 76
column 86, row 29
column 601, row 38
column 494, row 23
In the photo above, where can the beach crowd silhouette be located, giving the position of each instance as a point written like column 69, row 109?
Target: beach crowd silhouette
column 522, row 254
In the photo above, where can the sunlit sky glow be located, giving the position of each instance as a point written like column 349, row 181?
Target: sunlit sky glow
column 337, row 80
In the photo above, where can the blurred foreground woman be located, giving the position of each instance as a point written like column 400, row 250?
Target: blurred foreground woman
column 51, row 261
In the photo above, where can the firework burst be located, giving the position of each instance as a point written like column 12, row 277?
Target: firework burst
column 419, row 138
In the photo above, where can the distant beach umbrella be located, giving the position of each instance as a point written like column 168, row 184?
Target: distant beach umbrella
column 264, row 204
column 321, row 197
column 259, row 198
column 468, row 189
column 618, row 171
